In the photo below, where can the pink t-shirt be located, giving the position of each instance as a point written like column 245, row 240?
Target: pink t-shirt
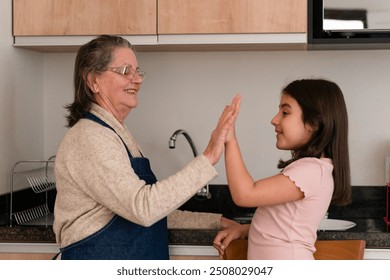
column 289, row 230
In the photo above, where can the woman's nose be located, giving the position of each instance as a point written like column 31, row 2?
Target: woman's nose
column 137, row 79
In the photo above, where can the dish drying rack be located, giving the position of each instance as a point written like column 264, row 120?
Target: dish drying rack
column 40, row 177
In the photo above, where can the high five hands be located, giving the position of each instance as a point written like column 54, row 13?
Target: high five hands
column 224, row 131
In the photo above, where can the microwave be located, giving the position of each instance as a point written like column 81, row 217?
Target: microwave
column 348, row 24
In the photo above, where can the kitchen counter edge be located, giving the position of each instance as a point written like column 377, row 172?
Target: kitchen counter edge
column 195, row 237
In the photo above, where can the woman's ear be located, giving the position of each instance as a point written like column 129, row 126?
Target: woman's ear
column 92, row 84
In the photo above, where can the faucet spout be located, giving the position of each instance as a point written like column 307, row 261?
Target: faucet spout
column 204, row 192
column 172, row 140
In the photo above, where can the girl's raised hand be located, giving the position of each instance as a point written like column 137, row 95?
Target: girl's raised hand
column 236, row 102
column 219, row 136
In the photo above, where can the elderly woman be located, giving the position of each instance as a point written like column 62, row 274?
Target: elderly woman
column 109, row 204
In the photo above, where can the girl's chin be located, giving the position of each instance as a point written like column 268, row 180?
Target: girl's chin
column 281, row 146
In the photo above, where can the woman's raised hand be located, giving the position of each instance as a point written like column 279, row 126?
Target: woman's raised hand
column 223, row 132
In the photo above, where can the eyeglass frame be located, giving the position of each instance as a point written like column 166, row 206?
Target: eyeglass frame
column 122, row 71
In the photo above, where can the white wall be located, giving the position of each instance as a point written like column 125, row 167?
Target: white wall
column 189, row 90
column 21, row 106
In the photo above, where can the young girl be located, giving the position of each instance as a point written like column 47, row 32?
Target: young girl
column 312, row 122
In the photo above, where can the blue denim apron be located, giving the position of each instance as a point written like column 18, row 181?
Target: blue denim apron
column 121, row 239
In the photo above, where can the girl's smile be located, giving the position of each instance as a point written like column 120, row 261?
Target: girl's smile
column 291, row 132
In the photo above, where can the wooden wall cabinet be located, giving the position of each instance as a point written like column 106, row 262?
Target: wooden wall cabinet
column 163, row 24
column 84, row 17
column 231, row 16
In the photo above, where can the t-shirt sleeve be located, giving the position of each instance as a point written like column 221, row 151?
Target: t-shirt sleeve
column 306, row 173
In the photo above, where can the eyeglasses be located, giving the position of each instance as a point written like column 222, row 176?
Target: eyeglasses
column 127, row 71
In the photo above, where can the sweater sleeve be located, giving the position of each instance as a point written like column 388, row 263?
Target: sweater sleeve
column 98, row 175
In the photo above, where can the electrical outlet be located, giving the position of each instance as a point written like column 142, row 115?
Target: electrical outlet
column 387, row 170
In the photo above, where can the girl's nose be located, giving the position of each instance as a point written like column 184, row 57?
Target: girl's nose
column 275, row 120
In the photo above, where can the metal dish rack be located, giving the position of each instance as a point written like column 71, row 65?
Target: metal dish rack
column 40, row 177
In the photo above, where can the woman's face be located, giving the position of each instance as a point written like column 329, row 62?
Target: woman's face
column 117, row 92
column 291, row 132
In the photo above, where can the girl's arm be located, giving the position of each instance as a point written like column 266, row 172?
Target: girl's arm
column 249, row 193
column 224, row 237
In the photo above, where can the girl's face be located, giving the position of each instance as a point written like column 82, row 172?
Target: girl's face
column 291, row 132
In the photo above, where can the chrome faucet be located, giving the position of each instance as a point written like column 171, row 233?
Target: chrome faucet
column 204, row 192
column 172, row 140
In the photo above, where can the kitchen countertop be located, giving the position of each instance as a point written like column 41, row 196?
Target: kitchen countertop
column 374, row 231
column 366, row 210
column 40, row 234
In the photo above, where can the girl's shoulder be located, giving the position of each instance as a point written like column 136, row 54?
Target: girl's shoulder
column 311, row 163
column 307, row 173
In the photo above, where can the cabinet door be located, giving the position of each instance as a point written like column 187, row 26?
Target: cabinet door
column 84, row 17
column 231, row 16
column 193, row 258
column 26, row 256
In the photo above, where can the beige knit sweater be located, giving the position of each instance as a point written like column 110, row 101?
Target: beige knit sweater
column 95, row 181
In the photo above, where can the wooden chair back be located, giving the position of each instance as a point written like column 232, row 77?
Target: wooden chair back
column 340, row 249
column 325, row 250
column 237, row 250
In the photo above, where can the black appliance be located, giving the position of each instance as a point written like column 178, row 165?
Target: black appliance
column 371, row 34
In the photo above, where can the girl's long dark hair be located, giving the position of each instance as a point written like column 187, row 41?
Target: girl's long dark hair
column 323, row 107
column 92, row 57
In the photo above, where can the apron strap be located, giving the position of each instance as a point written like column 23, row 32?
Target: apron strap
column 96, row 119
